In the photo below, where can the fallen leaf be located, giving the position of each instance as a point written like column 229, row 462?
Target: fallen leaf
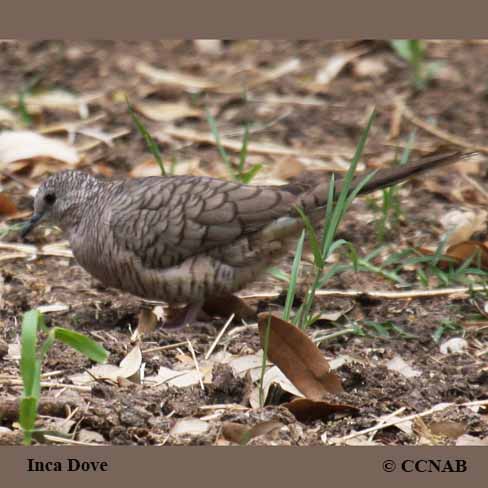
column 334, row 65
column 7, row 206
column 166, row 112
column 129, row 368
column 179, row 379
column 465, row 250
column 189, row 427
column 91, row 437
column 242, row 434
column 17, row 145
column 53, row 307
column 449, row 429
column 469, row 440
column 231, row 304
column 287, row 67
column 456, row 345
column 8, row 118
column 212, row 47
column 369, row 67
column 298, row 357
column 58, row 99
column 241, row 365
column 236, row 144
column 146, row 321
column 399, row 365
column 272, row 378
column 461, row 225
column 305, row 409
column 162, row 76
column 459, row 253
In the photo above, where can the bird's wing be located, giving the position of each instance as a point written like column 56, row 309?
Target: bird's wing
column 164, row 220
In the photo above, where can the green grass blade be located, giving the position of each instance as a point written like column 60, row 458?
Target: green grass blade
column 28, row 342
column 243, row 151
column 290, row 295
column 223, row 153
column 312, row 237
column 150, row 142
column 249, row 175
column 27, row 417
column 263, row 364
column 342, row 200
column 82, row 344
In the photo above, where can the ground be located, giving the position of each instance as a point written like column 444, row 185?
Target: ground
column 309, row 102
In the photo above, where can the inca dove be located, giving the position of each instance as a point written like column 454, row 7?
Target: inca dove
column 185, row 239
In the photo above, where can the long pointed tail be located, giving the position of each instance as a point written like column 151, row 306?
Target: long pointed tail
column 317, row 197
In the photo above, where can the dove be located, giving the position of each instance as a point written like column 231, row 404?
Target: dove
column 189, row 239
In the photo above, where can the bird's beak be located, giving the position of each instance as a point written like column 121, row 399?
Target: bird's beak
column 28, row 226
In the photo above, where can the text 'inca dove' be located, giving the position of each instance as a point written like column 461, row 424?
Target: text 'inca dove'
column 185, row 239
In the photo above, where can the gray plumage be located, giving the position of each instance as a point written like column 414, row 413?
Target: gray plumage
column 184, row 239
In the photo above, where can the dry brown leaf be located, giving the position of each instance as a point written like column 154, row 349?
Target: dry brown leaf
column 162, row 76
column 298, row 357
column 129, row 368
column 305, row 409
column 399, row 365
column 17, row 145
column 7, row 206
column 461, row 225
column 190, row 427
column 468, row 249
column 242, row 434
column 469, row 440
column 165, row 111
column 459, row 192
column 236, row 144
column 455, row 345
column 232, row 304
column 212, row 47
column 146, row 322
column 449, row 429
column 333, row 66
column 459, row 253
column 369, row 67
column 58, row 99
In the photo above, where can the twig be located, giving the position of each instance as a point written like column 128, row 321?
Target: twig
column 254, row 147
column 165, row 348
column 436, row 408
column 440, row 133
column 197, row 367
column 46, row 384
column 62, row 440
column 376, row 294
column 385, row 420
column 476, row 185
column 219, row 336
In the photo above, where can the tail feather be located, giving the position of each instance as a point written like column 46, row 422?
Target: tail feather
column 317, row 197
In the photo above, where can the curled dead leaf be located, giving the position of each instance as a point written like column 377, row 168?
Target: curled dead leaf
column 231, row 304
column 17, row 145
column 298, row 358
column 7, row 206
column 305, row 409
column 459, row 253
column 242, row 434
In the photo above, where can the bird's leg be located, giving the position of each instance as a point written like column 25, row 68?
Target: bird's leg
column 185, row 316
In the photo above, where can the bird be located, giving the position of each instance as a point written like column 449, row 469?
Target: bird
column 186, row 239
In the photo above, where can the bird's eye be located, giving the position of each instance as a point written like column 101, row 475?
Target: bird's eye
column 50, row 198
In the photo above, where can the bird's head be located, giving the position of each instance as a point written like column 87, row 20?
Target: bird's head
column 60, row 199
